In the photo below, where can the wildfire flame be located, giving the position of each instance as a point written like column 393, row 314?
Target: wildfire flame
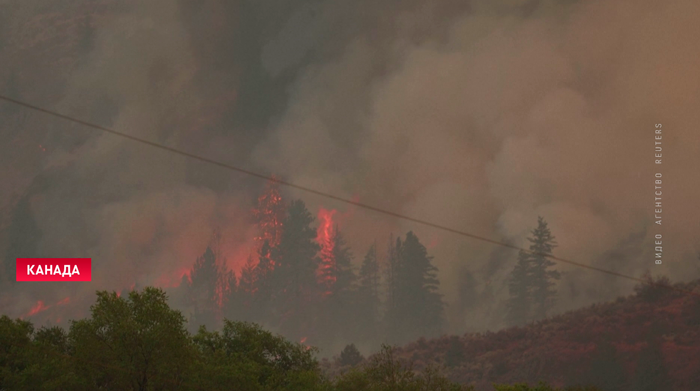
column 325, row 237
column 38, row 307
column 270, row 213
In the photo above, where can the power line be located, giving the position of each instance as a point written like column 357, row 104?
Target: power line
column 330, row 196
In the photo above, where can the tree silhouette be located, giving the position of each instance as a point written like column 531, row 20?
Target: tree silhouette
column 531, row 284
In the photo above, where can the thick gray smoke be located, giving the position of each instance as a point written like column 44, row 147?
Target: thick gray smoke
column 477, row 117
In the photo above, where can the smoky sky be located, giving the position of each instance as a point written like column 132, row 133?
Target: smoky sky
column 477, row 115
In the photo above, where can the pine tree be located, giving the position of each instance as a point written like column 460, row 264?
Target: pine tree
column 294, row 274
column 368, row 300
column 531, row 285
column 339, row 282
column 204, row 276
column 269, row 213
column 542, row 277
column 418, row 307
column 520, row 302
column 243, row 307
column 340, row 272
column 263, row 289
column 391, row 270
column 211, row 284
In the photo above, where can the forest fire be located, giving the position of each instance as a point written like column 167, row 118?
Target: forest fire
column 269, row 213
column 171, row 280
column 325, row 238
column 38, row 307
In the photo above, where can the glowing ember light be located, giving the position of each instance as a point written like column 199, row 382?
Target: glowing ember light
column 169, row 280
column 303, row 340
column 42, row 149
column 326, row 239
column 434, row 241
column 38, row 307
column 269, row 213
column 64, row 301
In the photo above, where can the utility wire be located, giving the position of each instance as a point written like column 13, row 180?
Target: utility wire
column 333, row 197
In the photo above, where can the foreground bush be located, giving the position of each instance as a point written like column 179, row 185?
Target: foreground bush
column 139, row 343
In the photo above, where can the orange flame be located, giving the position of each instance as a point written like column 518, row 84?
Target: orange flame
column 325, row 237
column 64, row 301
column 270, row 213
column 38, row 307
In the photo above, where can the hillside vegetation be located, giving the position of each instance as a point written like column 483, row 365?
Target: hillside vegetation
column 647, row 341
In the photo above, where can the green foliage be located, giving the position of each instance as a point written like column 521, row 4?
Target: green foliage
column 139, row 343
column 350, row 356
column 385, row 372
column 132, row 343
column 15, row 341
column 254, row 359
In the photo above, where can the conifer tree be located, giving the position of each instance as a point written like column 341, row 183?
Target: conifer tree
column 242, row 308
column 269, row 213
column 204, row 276
column 263, row 290
column 418, row 307
column 294, row 274
column 211, row 284
column 531, row 285
column 368, row 300
column 391, row 271
column 339, row 282
column 520, row 302
column 543, row 278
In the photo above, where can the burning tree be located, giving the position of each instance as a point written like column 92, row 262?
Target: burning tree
column 269, row 213
column 327, row 238
column 337, row 279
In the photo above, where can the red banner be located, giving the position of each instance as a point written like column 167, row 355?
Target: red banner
column 54, row 269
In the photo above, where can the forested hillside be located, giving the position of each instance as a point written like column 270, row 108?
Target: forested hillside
column 649, row 341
